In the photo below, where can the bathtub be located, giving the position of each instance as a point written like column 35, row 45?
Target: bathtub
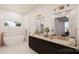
column 13, row 35
column 9, row 41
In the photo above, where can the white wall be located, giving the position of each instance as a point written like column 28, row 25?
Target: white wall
column 72, row 20
column 77, row 23
column 11, row 31
column 47, row 12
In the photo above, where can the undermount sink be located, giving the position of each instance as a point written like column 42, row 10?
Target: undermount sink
column 65, row 40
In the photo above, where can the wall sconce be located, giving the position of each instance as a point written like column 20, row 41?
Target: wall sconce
column 67, row 16
column 63, row 9
column 39, row 16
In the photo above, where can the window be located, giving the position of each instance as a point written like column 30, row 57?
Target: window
column 12, row 24
column 66, row 26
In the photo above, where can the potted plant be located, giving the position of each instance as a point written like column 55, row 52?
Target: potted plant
column 46, row 31
column 18, row 24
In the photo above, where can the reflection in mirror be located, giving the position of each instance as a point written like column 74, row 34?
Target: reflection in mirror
column 62, row 26
column 12, row 24
column 63, row 30
column 66, row 28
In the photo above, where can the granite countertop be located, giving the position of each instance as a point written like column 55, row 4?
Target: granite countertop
column 70, row 42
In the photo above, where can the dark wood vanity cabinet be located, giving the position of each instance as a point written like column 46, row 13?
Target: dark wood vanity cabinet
column 45, row 47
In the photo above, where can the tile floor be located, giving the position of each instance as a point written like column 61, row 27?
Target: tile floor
column 21, row 48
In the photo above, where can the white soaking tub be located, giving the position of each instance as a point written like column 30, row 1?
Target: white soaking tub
column 9, row 41
column 13, row 35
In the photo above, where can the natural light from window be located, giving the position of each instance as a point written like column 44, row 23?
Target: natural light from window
column 66, row 26
column 11, row 23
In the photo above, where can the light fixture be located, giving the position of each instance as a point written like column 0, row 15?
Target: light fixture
column 63, row 9
column 39, row 16
column 67, row 16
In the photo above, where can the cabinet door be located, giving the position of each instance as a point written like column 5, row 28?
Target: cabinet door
column 46, row 47
column 35, row 44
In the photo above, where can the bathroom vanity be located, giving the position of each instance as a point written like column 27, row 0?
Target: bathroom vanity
column 45, row 45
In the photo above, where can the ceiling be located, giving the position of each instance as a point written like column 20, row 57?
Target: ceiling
column 22, row 8
column 19, row 8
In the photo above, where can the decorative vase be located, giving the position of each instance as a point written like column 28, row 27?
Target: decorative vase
column 46, row 32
